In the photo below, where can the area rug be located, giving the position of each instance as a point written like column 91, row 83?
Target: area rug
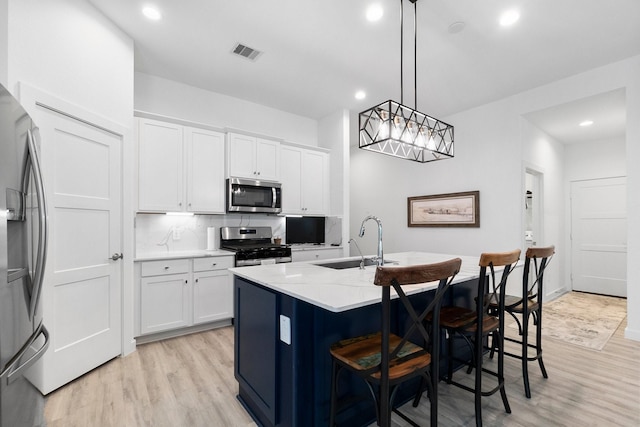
column 583, row 319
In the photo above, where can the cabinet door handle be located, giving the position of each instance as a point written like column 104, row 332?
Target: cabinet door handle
column 166, row 267
column 116, row 256
column 197, row 280
column 214, row 264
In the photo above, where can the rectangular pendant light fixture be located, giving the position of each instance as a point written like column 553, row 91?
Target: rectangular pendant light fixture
column 397, row 130
column 400, row 131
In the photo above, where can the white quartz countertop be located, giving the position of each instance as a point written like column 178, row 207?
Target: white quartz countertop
column 154, row 256
column 342, row 290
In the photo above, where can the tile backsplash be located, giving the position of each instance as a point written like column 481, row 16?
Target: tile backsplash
column 166, row 233
column 159, row 233
column 333, row 230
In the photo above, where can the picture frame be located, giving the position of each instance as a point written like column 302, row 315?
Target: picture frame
column 444, row 210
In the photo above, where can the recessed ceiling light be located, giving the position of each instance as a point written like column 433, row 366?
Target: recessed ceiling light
column 456, row 27
column 374, row 12
column 586, row 123
column 509, row 17
column 361, row 94
column 152, row 13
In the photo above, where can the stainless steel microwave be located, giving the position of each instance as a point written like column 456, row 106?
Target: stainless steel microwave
column 247, row 195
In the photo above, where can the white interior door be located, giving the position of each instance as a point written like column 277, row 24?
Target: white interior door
column 599, row 236
column 82, row 290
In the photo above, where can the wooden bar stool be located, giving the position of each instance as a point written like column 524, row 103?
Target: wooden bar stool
column 532, row 293
column 475, row 326
column 383, row 359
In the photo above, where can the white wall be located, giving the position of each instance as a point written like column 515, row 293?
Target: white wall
column 172, row 99
column 545, row 155
column 4, row 41
column 484, row 154
column 633, row 199
column 595, row 159
column 493, row 143
column 67, row 48
column 333, row 133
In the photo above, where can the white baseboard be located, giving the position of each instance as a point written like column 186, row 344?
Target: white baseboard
column 555, row 294
column 143, row 339
column 632, row 334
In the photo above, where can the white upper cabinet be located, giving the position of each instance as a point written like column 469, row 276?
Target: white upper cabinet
column 291, row 176
column 253, row 158
column 268, row 159
column 205, row 170
column 305, row 181
column 315, row 182
column 160, row 163
column 179, row 168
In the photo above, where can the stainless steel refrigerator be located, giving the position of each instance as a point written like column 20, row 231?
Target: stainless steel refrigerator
column 23, row 244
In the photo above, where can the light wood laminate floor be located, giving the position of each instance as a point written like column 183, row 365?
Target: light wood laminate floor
column 188, row 381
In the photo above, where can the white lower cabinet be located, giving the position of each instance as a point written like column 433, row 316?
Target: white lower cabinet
column 212, row 290
column 165, row 303
column 179, row 293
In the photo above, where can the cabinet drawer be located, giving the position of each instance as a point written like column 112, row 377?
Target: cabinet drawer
column 213, row 263
column 170, row 266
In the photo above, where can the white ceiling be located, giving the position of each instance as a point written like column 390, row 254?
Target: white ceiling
column 607, row 111
column 318, row 53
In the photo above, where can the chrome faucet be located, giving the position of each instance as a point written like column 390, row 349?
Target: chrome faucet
column 380, row 259
column 360, row 252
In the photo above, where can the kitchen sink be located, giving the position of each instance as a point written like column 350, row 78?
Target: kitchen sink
column 352, row 263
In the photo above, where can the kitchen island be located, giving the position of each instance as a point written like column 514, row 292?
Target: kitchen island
column 287, row 316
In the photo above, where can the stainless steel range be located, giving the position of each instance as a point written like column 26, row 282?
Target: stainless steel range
column 253, row 246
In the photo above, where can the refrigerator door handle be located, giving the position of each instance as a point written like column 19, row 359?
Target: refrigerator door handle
column 13, row 372
column 41, row 259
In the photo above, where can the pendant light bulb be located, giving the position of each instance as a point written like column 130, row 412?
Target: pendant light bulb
column 431, row 144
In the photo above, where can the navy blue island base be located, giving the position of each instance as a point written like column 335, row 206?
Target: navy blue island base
column 284, row 384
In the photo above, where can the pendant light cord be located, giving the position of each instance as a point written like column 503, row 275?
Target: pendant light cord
column 415, row 53
column 401, row 51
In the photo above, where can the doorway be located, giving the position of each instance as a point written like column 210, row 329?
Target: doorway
column 533, row 228
column 599, row 236
column 82, row 292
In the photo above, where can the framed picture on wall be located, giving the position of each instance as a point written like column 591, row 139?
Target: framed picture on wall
column 444, row 210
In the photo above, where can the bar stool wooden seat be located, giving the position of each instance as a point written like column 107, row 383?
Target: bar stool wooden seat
column 475, row 326
column 383, row 359
column 532, row 293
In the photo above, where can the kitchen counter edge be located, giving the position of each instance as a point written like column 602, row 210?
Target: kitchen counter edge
column 342, row 290
column 181, row 255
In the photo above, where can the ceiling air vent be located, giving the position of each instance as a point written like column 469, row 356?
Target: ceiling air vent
column 246, row 52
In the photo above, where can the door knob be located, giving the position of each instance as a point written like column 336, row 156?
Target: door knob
column 116, row 256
